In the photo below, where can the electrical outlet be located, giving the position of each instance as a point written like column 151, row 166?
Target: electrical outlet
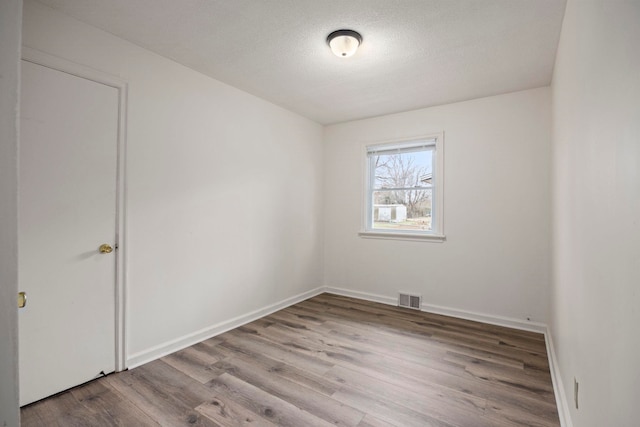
column 575, row 391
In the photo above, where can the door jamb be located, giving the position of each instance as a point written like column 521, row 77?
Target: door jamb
column 50, row 61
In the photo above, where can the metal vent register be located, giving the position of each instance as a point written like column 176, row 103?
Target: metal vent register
column 410, row 301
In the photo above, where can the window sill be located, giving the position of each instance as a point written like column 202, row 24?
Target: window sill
column 390, row 235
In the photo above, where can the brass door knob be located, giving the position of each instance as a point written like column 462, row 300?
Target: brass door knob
column 105, row 248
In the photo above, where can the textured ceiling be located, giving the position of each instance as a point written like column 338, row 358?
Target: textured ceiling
column 415, row 53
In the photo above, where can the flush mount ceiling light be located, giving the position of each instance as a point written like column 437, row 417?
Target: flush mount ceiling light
column 344, row 43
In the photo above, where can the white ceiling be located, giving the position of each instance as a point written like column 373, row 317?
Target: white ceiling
column 415, row 53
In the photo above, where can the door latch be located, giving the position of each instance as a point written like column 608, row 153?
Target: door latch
column 22, row 299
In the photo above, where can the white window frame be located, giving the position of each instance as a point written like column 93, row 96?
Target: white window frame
column 436, row 234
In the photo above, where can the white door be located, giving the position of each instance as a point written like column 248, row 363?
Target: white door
column 67, row 192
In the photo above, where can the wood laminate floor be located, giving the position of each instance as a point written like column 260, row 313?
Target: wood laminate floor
column 329, row 360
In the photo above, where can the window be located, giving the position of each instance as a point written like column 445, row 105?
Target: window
column 404, row 189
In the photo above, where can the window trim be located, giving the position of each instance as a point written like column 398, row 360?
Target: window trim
column 437, row 234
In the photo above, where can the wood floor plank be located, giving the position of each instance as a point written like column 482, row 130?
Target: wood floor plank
column 162, row 395
column 371, row 421
column 329, row 360
column 110, row 408
column 298, row 375
column 358, row 331
column 242, row 343
column 276, row 410
column 227, row 412
column 60, row 410
column 320, row 405
column 195, row 362
column 505, row 412
column 447, row 405
column 336, row 353
column 386, row 410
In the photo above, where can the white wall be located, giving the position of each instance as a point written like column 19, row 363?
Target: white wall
column 596, row 262
column 495, row 260
column 223, row 189
column 10, row 24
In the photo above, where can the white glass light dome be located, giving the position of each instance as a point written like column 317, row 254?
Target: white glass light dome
column 344, row 43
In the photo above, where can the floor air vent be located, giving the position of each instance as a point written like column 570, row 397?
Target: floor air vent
column 410, row 301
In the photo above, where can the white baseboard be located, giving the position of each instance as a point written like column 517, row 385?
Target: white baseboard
column 169, row 347
column 558, row 387
column 362, row 295
column 509, row 322
column 447, row 311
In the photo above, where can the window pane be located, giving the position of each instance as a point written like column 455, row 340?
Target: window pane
column 402, row 209
column 405, row 170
